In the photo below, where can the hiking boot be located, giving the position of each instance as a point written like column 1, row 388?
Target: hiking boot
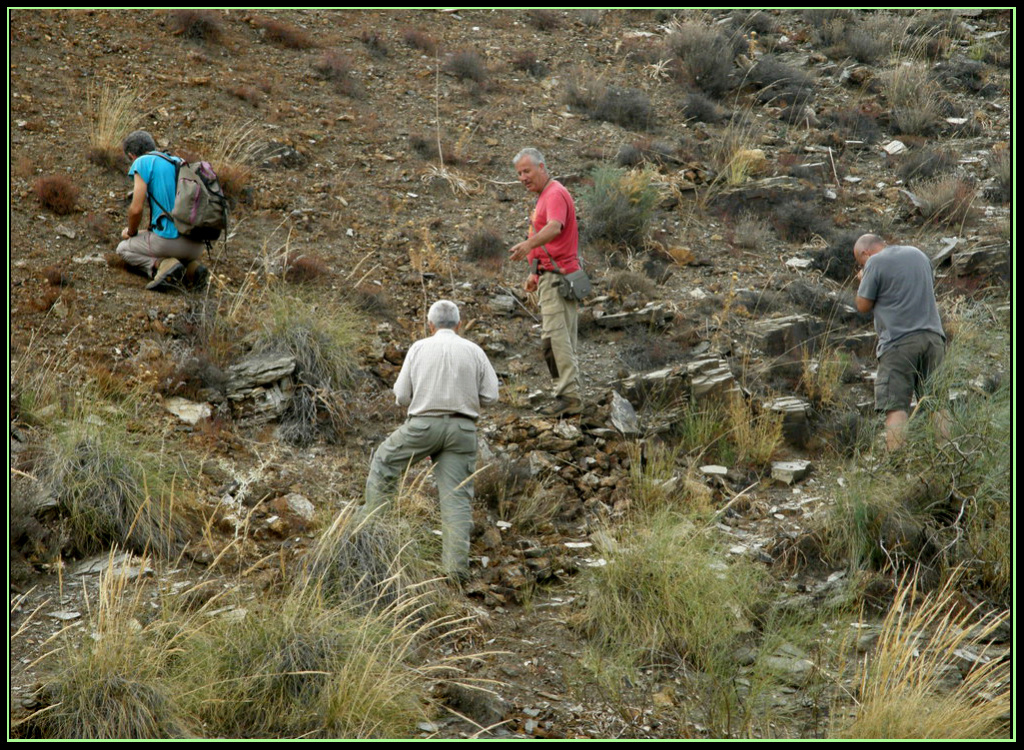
column 568, row 406
column 196, row 275
column 167, row 267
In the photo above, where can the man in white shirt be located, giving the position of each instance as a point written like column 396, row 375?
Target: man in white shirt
column 444, row 380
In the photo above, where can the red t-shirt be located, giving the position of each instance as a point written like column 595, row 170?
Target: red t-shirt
column 555, row 204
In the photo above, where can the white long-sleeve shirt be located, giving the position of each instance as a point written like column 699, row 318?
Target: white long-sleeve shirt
column 446, row 374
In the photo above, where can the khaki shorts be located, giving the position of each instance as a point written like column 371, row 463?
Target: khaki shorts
column 904, row 368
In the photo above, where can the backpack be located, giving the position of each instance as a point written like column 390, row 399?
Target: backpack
column 200, row 210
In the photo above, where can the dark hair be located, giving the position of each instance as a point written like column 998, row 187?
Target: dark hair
column 138, row 143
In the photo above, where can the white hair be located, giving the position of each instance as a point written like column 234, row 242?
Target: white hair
column 535, row 156
column 444, row 314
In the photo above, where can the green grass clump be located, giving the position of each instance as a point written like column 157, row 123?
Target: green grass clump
column 619, row 207
column 666, row 596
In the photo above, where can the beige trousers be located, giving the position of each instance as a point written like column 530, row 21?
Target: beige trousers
column 559, row 321
column 145, row 250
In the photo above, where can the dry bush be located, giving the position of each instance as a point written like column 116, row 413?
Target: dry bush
column 283, row 33
column 590, row 18
column 420, row 40
column 625, row 283
column 232, row 152
column 56, row 275
column 947, row 200
column 854, row 125
column 799, row 221
column 733, row 154
column 544, row 20
column 630, row 108
column 922, row 164
column 836, row 260
column 901, row 693
column 197, row 25
column 111, row 114
column 704, row 57
column 750, row 231
column 47, row 299
column 426, row 147
column 374, row 44
column 527, row 62
column 467, row 65
column 822, row 375
column 337, row 67
column 780, row 83
column 246, row 93
column 486, row 246
column 644, row 150
column 58, row 193
column 698, row 107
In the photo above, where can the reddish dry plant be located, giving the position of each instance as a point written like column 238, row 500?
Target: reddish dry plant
column 197, row 25
column 246, row 93
column 299, row 268
column 467, row 64
column 234, row 180
column 420, row 40
column 56, row 275
column 50, row 296
column 285, row 34
column 545, row 20
column 98, row 226
column 337, row 67
column 374, row 43
column 58, row 193
column 108, row 157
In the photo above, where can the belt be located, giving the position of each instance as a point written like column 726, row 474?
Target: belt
column 453, row 415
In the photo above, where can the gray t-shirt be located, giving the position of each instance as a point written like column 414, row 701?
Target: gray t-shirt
column 899, row 280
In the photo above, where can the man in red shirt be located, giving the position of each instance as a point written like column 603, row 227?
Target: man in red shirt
column 552, row 249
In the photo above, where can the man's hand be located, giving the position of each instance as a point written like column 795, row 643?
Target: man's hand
column 531, row 283
column 519, row 252
column 125, row 234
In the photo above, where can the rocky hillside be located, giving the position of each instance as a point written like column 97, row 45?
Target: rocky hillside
column 198, row 447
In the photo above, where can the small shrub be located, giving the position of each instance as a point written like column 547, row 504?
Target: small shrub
column 486, row 246
column 420, row 40
column 704, row 57
column 922, row 164
column 626, row 283
column 501, row 485
column 246, row 93
column 947, row 200
column 644, row 150
column 698, row 107
column 780, row 82
column 374, row 43
column 544, row 20
column 467, row 65
column 197, row 25
column 58, row 193
column 527, row 61
column 57, row 275
column 337, row 67
column 590, row 18
column 836, row 261
column 619, row 207
column 799, row 221
column 629, row 108
column 755, row 20
column 750, row 232
column 822, row 375
column 854, row 125
column 232, row 151
column 300, row 268
column 283, row 33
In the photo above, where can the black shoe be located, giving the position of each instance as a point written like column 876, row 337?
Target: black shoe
column 562, row 407
column 196, row 276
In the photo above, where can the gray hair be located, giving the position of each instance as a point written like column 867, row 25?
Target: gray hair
column 138, row 143
column 444, row 314
column 535, row 156
column 864, row 244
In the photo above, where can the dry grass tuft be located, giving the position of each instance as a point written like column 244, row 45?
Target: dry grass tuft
column 467, row 65
column 755, row 433
column 923, row 637
column 947, row 200
column 420, row 40
column 300, row 268
column 58, row 193
column 111, row 114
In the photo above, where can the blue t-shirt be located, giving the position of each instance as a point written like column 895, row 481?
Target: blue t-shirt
column 158, row 174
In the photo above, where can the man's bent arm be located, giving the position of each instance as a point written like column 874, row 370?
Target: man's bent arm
column 864, row 305
column 138, row 205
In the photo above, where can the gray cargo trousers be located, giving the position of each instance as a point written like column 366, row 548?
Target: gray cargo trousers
column 450, row 441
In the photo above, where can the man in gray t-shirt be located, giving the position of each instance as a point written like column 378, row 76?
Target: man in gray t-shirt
column 896, row 285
